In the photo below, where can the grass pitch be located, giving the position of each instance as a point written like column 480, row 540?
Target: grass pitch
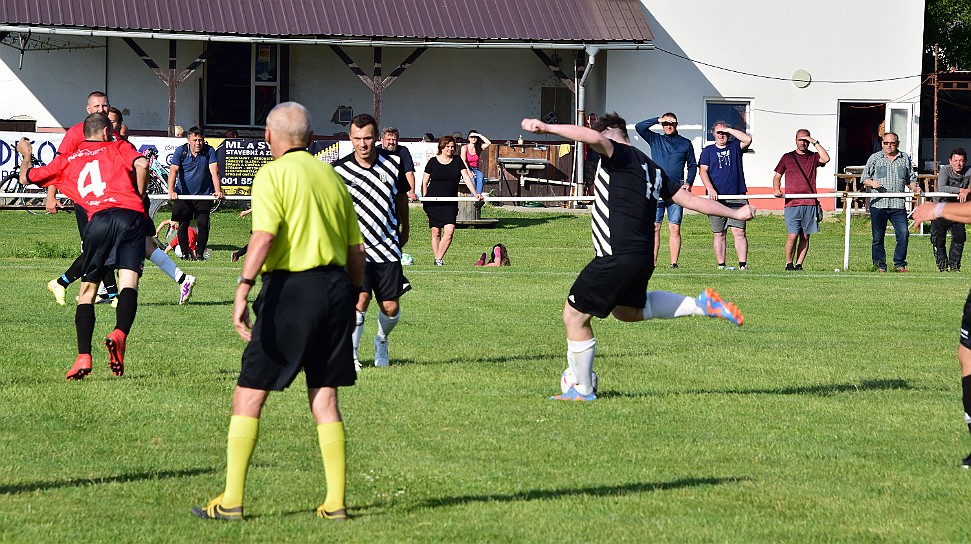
column 834, row 414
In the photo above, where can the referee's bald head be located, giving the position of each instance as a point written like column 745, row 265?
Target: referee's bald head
column 288, row 124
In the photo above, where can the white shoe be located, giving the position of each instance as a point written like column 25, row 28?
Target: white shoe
column 185, row 289
column 357, row 366
column 380, row 352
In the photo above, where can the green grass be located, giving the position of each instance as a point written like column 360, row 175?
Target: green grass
column 834, row 414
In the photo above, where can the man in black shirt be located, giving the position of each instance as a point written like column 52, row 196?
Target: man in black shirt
column 628, row 186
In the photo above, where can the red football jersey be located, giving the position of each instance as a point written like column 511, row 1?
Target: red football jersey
column 96, row 177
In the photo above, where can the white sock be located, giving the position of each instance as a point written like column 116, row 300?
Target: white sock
column 166, row 264
column 386, row 324
column 358, row 330
column 664, row 305
column 581, row 352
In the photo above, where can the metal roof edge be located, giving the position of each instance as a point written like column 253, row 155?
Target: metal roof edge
column 331, row 40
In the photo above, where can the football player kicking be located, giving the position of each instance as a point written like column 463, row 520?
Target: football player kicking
column 628, row 186
column 107, row 180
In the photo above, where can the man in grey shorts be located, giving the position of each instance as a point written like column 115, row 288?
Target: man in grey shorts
column 720, row 169
column 802, row 216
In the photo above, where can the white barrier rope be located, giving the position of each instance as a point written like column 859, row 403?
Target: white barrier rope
column 550, row 198
column 844, row 195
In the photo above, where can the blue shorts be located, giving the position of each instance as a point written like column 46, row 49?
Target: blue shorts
column 801, row 219
column 674, row 212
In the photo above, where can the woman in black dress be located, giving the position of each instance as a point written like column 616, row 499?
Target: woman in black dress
column 442, row 175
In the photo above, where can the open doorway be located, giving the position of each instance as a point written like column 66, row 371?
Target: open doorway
column 861, row 125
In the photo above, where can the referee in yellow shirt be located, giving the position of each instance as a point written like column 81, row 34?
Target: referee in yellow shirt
column 308, row 247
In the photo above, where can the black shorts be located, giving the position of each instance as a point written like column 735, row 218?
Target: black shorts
column 304, row 321
column 184, row 211
column 113, row 239
column 611, row 281
column 386, row 280
column 966, row 323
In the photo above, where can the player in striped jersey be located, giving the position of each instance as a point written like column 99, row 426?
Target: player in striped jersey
column 628, row 186
column 379, row 188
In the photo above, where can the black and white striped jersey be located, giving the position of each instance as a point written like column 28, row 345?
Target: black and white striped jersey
column 373, row 191
column 628, row 185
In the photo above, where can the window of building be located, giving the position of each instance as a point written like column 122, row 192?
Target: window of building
column 243, row 83
column 737, row 113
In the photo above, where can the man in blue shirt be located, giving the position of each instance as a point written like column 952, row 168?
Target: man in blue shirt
column 671, row 151
column 721, row 172
column 194, row 171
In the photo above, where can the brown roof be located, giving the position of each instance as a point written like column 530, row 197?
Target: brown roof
column 582, row 21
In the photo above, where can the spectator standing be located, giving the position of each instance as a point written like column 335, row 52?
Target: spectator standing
column 721, row 172
column 801, row 214
column 889, row 171
column 194, row 171
column 389, row 142
column 471, row 154
column 441, row 179
column 673, row 153
column 954, row 178
column 379, row 188
column 308, row 247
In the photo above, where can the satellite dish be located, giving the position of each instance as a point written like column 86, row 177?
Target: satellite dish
column 801, row 78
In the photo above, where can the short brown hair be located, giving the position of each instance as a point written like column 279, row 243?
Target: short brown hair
column 444, row 141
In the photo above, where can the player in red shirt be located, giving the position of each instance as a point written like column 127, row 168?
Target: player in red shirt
column 98, row 103
column 107, row 180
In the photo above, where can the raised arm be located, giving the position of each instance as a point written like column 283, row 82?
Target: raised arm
column 643, row 128
column 600, row 143
column 744, row 140
column 712, row 207
column 486, row 142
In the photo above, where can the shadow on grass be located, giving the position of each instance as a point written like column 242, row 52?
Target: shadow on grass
column 503, row 359
column 191, row 303
column 13, row 489
column 506, row 223
column 821, row 390
column 598, row 491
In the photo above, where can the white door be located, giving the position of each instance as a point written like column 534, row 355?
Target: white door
column 899, row 118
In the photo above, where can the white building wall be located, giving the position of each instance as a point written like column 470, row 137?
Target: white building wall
column 52, row 86
column 832, row 40
column 444, row 91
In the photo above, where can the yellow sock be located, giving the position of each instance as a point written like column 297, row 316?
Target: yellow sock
column 332, row 450
column 240, row 444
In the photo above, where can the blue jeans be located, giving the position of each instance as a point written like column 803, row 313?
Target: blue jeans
column 674, row 212
column 878, row 223
column 478, row 179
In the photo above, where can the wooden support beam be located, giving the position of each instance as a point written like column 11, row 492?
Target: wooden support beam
column 557, row 71
column 169, row 77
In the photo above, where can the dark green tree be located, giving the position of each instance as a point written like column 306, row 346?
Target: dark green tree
column 948, row 24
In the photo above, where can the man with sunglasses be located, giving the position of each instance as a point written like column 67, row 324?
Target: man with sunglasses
column 889, row 171
column 672, row 152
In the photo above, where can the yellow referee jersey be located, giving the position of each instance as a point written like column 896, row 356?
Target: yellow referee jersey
column 304, row 203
